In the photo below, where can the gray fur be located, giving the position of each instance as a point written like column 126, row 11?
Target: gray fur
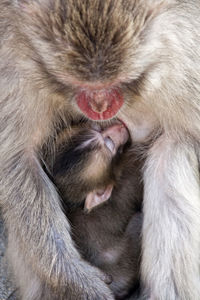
column 152, row 50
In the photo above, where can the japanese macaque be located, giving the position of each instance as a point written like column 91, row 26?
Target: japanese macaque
column 84, row 161
column 88, row 170
column 135, row 60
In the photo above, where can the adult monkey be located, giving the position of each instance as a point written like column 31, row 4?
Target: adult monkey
column 66, row 58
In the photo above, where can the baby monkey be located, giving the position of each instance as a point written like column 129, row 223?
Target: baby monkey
column 90, row 167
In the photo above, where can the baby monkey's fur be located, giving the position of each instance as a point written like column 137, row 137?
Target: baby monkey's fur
column 149, row 51
column 108, row 236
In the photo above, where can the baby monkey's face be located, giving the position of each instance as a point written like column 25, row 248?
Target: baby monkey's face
column 84, row 161
column 112, row 139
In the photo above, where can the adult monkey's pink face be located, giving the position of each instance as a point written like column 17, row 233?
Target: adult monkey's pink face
column 96, row 48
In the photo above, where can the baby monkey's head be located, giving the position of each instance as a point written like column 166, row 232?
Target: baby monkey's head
column 85, row 163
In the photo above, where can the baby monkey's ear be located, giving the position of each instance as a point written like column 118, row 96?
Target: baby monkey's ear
column 97, row 197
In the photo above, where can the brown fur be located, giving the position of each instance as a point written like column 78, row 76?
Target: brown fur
column 149, row 49
column 109, row 236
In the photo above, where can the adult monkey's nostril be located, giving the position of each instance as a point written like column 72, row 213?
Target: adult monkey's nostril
column 100, row 104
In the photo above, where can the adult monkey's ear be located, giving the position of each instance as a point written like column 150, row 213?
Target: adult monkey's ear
column 97, row 197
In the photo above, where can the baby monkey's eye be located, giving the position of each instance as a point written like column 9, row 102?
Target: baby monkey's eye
column 109, row 144
column 120, row 149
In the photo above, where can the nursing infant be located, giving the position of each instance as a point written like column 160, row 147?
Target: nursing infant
column 100, row 185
